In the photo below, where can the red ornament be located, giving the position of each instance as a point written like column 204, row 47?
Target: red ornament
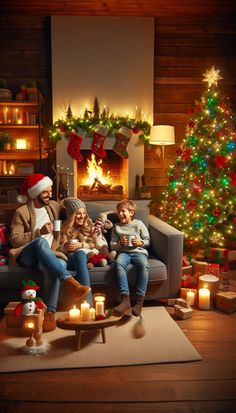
column 233, row 179
column 186, row 154
column 62, row 128
column 234, row 220
column 220, row 161
column 191, row 124
column 179, row 152
column 135, row 130
column 191, row 243
column 198, row 108
column 216, row 212
column 191, row 204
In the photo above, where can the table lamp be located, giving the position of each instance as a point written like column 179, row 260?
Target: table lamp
column 162, row 135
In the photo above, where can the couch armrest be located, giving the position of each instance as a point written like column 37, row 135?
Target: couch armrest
column 167, row 245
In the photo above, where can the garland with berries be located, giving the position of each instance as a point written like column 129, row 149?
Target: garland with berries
column 87, row 124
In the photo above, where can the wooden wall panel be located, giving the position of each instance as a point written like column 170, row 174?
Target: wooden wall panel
column 184, row 48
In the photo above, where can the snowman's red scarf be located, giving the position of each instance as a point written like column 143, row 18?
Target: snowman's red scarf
column 38, row 301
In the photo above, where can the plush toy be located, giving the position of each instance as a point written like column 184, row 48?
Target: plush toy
column 100, row 259
column 103, row 256
column 29, row 302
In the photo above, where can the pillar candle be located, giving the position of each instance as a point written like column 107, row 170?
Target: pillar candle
column 99, row 304
column 92, row 314
column 85, row 311
column 211, row 282
column 204, row 299
column 99, row 308
column 190, row 298
column 74, row 313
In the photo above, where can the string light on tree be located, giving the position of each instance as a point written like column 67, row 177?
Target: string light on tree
column 200, row 196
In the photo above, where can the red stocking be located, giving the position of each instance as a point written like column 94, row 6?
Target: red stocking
column 73, row 148
column 99, row 136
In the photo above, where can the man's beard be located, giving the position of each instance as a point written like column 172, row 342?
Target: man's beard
column 42, row 200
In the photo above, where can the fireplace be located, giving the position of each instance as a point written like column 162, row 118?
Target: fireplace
column 118, row 174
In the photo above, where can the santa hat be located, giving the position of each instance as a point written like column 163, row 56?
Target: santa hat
column 29, row 285
column 32, row 186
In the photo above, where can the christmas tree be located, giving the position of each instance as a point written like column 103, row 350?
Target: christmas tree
column 200, row 197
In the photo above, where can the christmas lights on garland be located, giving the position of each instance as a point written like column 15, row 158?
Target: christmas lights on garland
column 200, row 197
column 88, row 123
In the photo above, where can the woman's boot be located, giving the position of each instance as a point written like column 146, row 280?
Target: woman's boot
column 137, row 308
column 75, row 289
column 124, row 305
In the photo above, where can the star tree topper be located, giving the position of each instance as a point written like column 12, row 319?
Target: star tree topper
column 212, row 76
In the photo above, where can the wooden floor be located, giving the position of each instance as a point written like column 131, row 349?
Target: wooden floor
column 203, row 386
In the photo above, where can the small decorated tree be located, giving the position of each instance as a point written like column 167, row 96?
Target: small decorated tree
column 200, row 197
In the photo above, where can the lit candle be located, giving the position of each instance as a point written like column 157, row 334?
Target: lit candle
column 74, row 313
column 211, row 282
column 99, row 304
column 19, row 121
column 30, row 325
column 85, row 311
column 5, row 115
column 15, row 115
column 92, row 314
column 204, row 299
column 190, row 298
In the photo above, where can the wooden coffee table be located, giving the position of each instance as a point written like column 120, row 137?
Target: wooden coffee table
column 65, row 323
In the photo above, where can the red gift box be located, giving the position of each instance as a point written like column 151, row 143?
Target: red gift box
column 213, row 269
column 185, row 280
column 220, row 256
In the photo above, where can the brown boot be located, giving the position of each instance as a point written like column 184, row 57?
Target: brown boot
column 75, row 289
column 137, row 308
column 123, row 306
column 49, row 321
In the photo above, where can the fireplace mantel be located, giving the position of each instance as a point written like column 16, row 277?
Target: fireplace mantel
column 135, row 161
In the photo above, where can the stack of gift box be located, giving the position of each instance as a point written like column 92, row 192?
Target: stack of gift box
column 214, row 268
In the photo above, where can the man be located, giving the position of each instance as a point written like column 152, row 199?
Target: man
column 35, row 244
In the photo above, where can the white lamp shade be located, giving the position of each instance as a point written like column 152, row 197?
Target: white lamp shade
column 162, row 135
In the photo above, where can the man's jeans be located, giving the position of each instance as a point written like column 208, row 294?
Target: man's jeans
column 140, row 261
column 38, row 254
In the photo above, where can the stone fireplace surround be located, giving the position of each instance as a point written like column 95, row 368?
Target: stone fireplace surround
column 135, row 163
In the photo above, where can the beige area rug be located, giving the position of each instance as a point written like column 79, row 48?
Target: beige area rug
column 163, row 342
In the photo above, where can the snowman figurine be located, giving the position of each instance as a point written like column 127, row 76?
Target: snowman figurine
column 29, row 303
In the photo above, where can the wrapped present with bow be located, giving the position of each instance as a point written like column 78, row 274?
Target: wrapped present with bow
column 219, row 256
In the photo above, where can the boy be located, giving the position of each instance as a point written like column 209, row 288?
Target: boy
column 130, row 238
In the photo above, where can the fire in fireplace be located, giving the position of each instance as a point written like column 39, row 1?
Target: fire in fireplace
column 119, row 173
column 105, row 178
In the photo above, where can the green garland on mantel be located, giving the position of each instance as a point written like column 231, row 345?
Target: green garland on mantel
column 86, row 126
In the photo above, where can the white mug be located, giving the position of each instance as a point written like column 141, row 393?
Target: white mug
column 57, row 225
column 73, row 241
column 130, row 238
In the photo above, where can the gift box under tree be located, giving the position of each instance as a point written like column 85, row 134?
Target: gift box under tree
column 219, row 256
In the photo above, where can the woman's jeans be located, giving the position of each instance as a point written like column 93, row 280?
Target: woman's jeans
column 78, row 262
column 140, row 261
column 38, row 254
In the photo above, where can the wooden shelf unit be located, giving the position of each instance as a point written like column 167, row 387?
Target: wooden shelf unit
column 22, row 120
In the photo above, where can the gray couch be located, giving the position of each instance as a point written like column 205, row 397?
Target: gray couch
column 165, row 264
